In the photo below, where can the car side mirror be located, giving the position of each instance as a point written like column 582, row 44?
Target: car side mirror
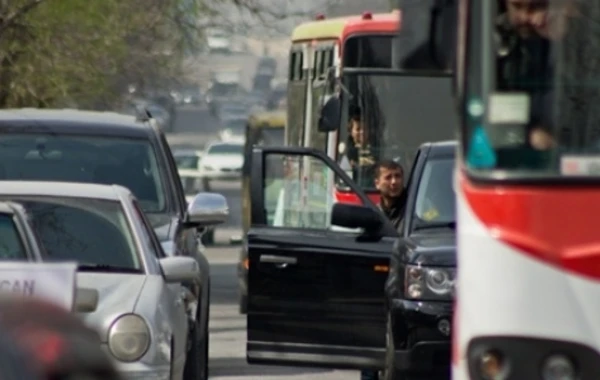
column 179, row 269
column 207, row 209
column 354, row 216
column 330, row 115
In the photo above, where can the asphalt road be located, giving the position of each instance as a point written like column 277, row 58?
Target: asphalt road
column 194, row 127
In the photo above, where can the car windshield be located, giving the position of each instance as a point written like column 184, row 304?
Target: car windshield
column 11, row 245
column 89, row 231
column 236, row 126
column 435, row 202
column 233, row 149
column 186, row 162
column 131, row 163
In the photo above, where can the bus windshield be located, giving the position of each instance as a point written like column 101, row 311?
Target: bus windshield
column 542, row 117
column 378, row 126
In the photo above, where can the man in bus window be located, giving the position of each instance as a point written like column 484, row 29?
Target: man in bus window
column 528, row 29
column 359, row 151
column 522, row 51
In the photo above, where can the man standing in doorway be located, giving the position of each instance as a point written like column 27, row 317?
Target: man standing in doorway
column 389, row 181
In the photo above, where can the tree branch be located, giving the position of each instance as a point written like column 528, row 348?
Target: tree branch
column 11, row 19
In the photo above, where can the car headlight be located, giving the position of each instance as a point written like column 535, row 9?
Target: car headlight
column 129, row 338
column 429, row 283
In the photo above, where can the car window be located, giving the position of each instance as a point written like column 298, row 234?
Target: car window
column 131, row 163
column 298, row 192
column 147, row 232
column 226, row 149
column 11, row 245
column 89, row 231
column 435, row 201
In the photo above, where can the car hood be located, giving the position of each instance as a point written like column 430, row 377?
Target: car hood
column 223, row 160
column 118, row 294
column 431, row 248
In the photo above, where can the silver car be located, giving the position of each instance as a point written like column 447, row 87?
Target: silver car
column 143, row 313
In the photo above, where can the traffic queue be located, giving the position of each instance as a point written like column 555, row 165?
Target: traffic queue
column 94, row 201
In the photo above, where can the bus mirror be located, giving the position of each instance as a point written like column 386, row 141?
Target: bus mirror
column 329, row 118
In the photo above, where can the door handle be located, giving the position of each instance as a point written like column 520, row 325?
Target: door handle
column 274, row 259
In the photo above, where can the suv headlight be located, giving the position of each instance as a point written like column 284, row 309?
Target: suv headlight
column 429, row 283
column 129, row 338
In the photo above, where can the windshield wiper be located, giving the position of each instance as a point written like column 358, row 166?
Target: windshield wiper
column 427, row 226
column 106, row 268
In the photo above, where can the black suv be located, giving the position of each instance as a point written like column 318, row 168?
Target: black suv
column 335, row 272
column 420, row 286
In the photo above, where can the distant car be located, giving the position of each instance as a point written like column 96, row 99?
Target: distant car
column 190, row 95
column 188, row 166
column 234, row 109
column 221, row 161
column 145, row 316
column 221, row 93
column 233, row 130
column 218, row 41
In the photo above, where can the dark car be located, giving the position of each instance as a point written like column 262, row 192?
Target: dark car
column 420, row 287
column 317, row 269
column 108, row 148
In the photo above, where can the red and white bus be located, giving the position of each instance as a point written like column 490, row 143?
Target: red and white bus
column 352, row 60
column 528, row 203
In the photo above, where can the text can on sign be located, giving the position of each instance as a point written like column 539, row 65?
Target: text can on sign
column 54, row 282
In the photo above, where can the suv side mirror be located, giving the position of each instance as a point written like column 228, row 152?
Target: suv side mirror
column 353, row 216
column 330, row 115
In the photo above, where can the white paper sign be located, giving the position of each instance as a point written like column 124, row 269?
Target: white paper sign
column 54, row 282
column 509, row 108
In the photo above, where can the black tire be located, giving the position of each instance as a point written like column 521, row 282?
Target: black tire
column 196, row 363
column 390, row 372
column 243, row 304
column 206, row 342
